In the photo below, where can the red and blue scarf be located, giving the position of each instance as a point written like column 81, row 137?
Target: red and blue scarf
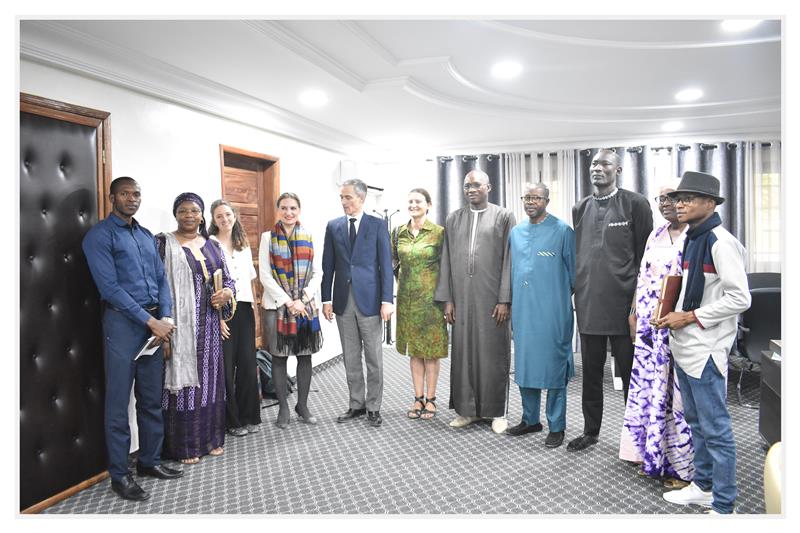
column 697, row 260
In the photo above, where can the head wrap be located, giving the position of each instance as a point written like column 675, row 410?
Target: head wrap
column 192, row 197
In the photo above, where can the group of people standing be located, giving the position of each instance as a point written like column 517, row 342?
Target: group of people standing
column 673, row 368
column 492, row 280
column 190, row 293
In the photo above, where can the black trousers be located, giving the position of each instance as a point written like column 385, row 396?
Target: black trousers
column 593, row 359
column 242, row 406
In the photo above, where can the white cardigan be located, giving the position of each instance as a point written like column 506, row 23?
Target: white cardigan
column 274, row 296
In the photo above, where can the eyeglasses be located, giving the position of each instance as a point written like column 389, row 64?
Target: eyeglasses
column 468, row 186
column 194, row 211
column 663, row 199
column 684, row 198
column 531, row 199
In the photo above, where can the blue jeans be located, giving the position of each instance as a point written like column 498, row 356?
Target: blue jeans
column 123, row 339
column 714, row 448
column 556, row 408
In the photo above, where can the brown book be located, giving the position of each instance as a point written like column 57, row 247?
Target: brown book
column 670, row 290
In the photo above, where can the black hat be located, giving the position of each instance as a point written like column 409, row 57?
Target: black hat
column 699, row 183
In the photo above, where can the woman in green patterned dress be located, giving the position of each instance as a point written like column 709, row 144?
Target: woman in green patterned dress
column 421, row 328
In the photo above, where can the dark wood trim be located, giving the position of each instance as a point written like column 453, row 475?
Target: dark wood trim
column 37, row 105
column 223, row 149
column 63, row 495
column 55, row 105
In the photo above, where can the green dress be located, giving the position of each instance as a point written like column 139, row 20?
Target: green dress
column 421, row 328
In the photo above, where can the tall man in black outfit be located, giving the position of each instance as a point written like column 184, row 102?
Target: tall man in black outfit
column 611, row 229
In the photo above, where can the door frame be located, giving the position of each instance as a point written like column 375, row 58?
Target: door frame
column 269, row 187
column 37, row 105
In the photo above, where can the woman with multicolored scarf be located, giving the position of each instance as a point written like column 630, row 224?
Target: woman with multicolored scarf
column 290, row 320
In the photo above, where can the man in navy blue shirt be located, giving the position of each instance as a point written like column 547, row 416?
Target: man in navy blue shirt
column 129, row 274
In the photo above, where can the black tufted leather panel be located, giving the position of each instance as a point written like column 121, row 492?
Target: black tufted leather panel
column 61, row 352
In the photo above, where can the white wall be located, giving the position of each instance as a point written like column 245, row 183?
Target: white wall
column 170, row 149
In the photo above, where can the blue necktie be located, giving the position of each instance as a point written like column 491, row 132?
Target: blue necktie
column 352, row 234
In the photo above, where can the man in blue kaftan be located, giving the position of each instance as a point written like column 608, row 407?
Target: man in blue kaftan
column 542, row 281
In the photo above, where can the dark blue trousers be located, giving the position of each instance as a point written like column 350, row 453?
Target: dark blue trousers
column 123, row 339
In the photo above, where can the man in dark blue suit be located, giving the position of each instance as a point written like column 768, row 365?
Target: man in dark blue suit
column 357, row 266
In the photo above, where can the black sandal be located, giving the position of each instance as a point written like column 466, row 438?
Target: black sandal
column 416, row 413
column 426, row 411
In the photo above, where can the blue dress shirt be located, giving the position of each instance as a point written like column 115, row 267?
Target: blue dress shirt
column 126, row 268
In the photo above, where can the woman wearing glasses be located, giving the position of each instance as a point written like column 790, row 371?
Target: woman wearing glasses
column 421, row 328
column 655, row 433
column 193, row 400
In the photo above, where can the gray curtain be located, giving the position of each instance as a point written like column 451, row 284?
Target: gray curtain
column 450, row 172
column 724, row 160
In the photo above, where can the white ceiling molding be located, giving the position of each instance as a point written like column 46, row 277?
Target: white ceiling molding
column 373, row 44
column 281, row 34
column 394, row 83
column 601, row 115
column 516, row 105
column 534, row 105
column 631, row 45
column 135, row 71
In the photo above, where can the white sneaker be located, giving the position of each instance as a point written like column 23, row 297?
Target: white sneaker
column 499, row 424
column 690, row 494
column 463, row 421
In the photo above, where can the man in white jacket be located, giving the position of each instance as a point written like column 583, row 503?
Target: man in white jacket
column 703, row 329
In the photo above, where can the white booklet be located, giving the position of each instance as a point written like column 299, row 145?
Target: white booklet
column 147, row 349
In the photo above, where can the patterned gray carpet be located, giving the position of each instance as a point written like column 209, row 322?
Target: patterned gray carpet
column 421, row 467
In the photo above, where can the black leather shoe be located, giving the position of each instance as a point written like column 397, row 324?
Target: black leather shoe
column 554, row 439
column 522, row 428
column 350, row 414
column 582, row 442
column 128, row 489
column 238, row 432
column 159, row 471
column 374, row 418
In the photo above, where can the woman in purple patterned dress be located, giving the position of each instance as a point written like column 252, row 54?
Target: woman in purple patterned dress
column 193, row 400
column 655, row 433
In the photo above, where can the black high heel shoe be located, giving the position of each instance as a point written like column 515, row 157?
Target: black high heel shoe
column 310, row 419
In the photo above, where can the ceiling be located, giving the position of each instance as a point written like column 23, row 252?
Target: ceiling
column 395, row 86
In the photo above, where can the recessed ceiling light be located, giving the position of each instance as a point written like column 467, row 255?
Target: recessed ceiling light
column 672, row 126
column 689, row 95
column 505, row 70
column 313, row 98
column 739, row 24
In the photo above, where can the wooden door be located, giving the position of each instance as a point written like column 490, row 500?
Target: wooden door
column 251, row 183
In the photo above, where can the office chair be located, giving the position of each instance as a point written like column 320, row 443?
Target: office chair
column 757, row 326
column 760, row 280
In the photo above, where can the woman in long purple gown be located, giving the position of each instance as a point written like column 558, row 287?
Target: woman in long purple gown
column 193, row 400
column 655, row 433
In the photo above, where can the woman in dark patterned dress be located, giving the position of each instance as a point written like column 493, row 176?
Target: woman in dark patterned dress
column 421, row 329
column 193, row 400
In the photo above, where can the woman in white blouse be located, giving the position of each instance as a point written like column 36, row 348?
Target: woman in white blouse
column 242, row 405
column 290, row 319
